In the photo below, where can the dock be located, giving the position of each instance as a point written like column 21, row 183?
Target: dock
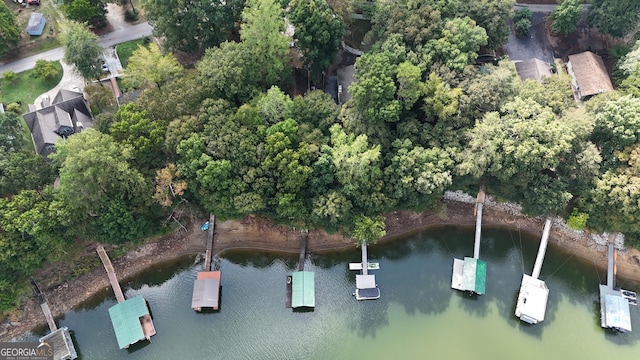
column 206, row 287
column 534, row 293
column 300, row 286
column 366, row 287
column 470, row 274
column 59, row 338
column 115, row 285
column 614, row 302
column 130, row 318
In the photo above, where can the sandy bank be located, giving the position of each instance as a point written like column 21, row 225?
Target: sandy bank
column 254, row 233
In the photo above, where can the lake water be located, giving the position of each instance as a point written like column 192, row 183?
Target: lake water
column 418, row 316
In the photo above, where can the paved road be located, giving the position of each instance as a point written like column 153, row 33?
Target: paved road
column 111, row 39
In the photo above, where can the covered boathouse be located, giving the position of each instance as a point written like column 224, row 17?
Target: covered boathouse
column 303, row 293
column 614, row 302
column 60, row 341
column 131, row 321
column 469, row 274
column 206, row 291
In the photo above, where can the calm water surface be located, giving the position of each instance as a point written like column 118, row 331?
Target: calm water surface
column 418, row 316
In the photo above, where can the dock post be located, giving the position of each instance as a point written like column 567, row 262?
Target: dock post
column 542, row 249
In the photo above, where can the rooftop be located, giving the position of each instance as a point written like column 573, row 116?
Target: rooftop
column 532, row 300
column 589, row 73
column 206, row 290
column 125, row 318
column 303, row 289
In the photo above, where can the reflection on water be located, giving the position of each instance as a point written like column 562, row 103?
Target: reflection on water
column 418, row 315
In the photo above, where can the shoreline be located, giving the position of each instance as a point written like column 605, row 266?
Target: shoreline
column 258, row 234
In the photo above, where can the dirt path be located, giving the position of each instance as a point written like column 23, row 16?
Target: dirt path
column 260, row 234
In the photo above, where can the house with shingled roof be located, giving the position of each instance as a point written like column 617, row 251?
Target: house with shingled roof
column 589, row 76
column 68, row 114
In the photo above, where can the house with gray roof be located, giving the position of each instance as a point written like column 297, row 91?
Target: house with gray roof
column 534, row 69
column 67, row 114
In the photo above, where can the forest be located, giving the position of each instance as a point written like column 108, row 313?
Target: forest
column 226, row 137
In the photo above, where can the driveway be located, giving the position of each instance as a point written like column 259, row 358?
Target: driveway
column 536, row 45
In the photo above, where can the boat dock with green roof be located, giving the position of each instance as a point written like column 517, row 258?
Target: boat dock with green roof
column 300, row 289
column 470, row 274
column 130, row 318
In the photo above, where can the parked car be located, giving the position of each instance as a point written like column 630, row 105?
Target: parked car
column 105, row 68
column 33, row 2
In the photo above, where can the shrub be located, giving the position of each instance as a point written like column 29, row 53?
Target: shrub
column 14, row 107
column 131, row 15
column 524, row 13
column 45, row 69
column 523, row 26
column 9, row 76
column 577, row 220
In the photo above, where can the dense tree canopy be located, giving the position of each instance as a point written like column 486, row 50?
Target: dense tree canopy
column 565, row 16
column 192, row 25
column 615, row 17
column 85, row 11
column 9, row 31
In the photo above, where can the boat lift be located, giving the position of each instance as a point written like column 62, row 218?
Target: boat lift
column 614, row 302
column 366, row 287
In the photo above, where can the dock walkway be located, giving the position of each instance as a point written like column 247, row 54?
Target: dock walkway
column 111, row 273
column 207, row 255
column 303, row 250
column 45, row 306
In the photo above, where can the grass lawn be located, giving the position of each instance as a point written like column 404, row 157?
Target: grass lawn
column 30, row 45
column 126, row 49
column 24, row 90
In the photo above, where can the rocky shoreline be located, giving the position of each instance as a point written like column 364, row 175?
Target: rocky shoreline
column 260, row 234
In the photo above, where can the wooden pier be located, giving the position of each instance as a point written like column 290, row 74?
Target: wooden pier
column 305, row 282
column 366, row 287
column 479, row 204
column 208, row 253
column 303, row 250
column 115, row 285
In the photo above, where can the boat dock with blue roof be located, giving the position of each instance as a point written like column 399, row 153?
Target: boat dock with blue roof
column 614, row 302
column 470, row 274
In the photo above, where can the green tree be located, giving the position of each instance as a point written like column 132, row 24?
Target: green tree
column 133, row 128
column 228, row 72
column 192, row 25
column 262, row 34
column 85, row 11
column 554, row 92
column 458, row 43
column 21, row 170
column 81, row 49
column 630, row 67
column 565, row 16
column 9, row 31
column 440, row 101
column 522, row 22
column 11, row 138
column 492, row 15
column 417, row 177
column 521, row 147
column 9, row 76
column 45, row 69
column 410, row 85
column 614, row 17
column 617, row 125
column 108, row 198
column 100, row 97
column 374, row 91
column 147, row 65
column 318, row 33
column 368, row 229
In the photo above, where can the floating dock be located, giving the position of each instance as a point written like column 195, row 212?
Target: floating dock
column 206, row 287
column 470, row 274
column 614, row 302
column 300, row 288
column 534, row 293
column 366, row 287
column 58, row 338
column 130, row 318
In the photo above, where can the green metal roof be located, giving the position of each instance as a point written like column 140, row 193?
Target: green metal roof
column 125, row 318
column 303, row 291
column 474, row 277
